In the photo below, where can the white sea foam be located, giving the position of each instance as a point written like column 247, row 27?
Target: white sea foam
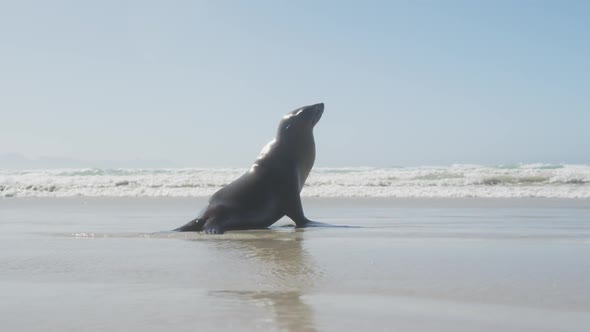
column 529, row 180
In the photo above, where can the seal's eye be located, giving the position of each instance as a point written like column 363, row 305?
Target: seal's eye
column 287, row 126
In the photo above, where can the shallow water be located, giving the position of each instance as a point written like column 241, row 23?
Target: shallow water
column 413, row 265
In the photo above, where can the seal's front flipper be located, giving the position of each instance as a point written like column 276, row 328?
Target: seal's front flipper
column 292, row 199
column 195, row 225
column 295, row 211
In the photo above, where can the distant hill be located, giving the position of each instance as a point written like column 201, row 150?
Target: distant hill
column 18, row 161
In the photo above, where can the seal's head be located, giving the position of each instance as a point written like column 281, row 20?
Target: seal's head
column 301, row 120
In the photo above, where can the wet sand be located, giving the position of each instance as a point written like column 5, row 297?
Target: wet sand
column 411, row 265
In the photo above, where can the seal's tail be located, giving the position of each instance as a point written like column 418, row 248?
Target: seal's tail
column 195, row 225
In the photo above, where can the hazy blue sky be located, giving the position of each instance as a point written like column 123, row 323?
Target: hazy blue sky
column 205, row 83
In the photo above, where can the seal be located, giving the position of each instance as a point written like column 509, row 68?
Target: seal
column 271, row 188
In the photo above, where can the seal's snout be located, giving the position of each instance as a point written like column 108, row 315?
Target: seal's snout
column 318, row 111
column 310, row 114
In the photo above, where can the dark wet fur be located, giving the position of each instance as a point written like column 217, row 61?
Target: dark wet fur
column 271, row 188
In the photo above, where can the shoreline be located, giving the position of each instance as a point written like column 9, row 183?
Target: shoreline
column 377, row 202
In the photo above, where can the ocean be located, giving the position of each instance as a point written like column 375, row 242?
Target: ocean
column 504, row 181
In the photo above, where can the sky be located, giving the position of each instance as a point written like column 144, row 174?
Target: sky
column 205, row 83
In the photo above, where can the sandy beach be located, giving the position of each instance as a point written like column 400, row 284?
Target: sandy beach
column 440, row 147
column 408, row 264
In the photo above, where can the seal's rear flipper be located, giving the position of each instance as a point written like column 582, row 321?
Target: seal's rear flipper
column 195, row 225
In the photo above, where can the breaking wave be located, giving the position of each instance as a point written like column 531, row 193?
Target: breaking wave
column 504, row 181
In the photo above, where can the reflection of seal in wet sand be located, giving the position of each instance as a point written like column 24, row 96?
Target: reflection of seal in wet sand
column 290, row 311
column 285, row 273
column 271, row 188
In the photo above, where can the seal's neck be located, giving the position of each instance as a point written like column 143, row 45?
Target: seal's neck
column 305, row 151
